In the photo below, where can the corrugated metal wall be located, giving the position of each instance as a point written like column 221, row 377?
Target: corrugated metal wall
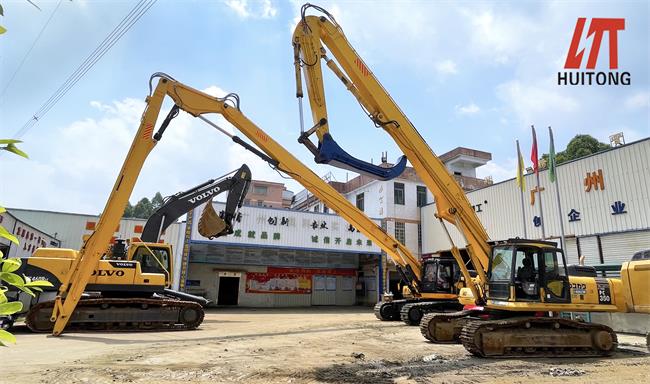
column 589, row 249
column 620, row 247
column 625, row 175
column 571, row 250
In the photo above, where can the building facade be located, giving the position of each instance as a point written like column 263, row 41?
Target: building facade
column 70, row 228
column 604, row 199
column 30, row 237
column 279, row 257
column 268, row 194
column 397, row 202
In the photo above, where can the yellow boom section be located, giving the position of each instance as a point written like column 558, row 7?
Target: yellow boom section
column 310, row 38
column 197, row 104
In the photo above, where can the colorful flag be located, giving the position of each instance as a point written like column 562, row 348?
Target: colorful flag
column 533, row 154
column 521, row 182
column 551, row 158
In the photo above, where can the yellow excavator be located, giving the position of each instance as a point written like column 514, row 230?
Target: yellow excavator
column 130, row 288
column 198, row 104
column 513, row 302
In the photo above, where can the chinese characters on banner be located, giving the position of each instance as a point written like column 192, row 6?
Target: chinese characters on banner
column 288, row 280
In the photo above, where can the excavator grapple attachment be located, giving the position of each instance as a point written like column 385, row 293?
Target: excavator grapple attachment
column 329, row 152
column 210, row 224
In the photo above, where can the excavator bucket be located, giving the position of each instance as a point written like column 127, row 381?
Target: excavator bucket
column 210, row 224
column 329, row 152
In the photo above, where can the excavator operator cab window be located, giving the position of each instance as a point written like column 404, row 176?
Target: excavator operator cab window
column 526, row 278
column 555, row 277
column 438, row 276
column 158, row 262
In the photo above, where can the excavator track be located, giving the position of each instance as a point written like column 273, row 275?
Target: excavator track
column 390, row 310
column 121, row 314
column 445, row 328
column 412, row 313
column 537, row 337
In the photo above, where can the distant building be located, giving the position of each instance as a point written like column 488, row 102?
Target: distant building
column 30, row 237
column 268, row 194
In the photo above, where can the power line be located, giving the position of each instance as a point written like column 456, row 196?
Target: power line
column 127, row 22
column 30, row 50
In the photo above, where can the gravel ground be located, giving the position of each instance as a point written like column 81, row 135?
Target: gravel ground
column 310, row 345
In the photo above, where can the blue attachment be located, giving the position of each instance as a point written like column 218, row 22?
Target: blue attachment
column 330, row 153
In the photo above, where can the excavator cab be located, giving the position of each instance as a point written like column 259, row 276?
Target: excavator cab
column 153, row 258
column 527, row 270
column 439, row 276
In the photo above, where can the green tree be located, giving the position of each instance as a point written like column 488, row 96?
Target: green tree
column 156, row 202
column 128, row 210
column 143, row 209
column 579, row 146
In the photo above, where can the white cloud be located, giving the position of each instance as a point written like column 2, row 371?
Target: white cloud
column 469, row 109
column 530, row 101
column 262, row 9
column 498, row 172
column 638, row 100
column 77, row 174
column 446, row 67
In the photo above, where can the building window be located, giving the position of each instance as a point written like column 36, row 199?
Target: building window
column 399, row 193
column 400, row 232
column 458, row 173
column 325, row 209
column 420, row 236
column 421, row 196
column 360, row 201
column 260, row 203
column 260, row 190
column 316, row 208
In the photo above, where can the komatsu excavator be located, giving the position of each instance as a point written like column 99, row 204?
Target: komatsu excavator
column 199, row 104
column 124, row 291
column 513, row 303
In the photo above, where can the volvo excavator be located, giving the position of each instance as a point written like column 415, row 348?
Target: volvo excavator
column 125, row 290
column 200, row 104
column 512, row 305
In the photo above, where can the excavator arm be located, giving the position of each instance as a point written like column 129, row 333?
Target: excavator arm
column 310, row 37
column 180, row 203
column 199, row 104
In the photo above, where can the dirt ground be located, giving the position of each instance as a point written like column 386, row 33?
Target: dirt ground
column 310, row 345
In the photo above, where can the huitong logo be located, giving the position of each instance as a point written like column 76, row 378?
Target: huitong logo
column 574, row 60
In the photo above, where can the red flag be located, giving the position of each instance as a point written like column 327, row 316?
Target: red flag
column 533, row 155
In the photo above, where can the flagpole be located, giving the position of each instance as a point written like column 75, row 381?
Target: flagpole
column 520, row 174
column 539, row 192
column 557, row 189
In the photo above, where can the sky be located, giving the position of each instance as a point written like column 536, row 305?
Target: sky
column 471, row 74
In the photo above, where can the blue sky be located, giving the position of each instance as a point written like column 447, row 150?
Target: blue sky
column 472, row 74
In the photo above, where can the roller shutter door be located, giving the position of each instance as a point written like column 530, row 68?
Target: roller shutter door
column 619, row 248
column 571, row 250
column 589, row 249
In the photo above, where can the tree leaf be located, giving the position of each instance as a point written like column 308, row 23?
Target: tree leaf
column 10, row 265
column 2, row 11
column 3, row 298
column 26, row 290
column 10, row 308
column 6, row 337
column 38, row 283
column 2, row 209
column 2, row 29
column 13, row 149
column 4, row 233
column 9, row 141
column 12, row 279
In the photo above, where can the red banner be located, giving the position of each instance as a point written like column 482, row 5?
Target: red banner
column 314, row 271
column 261, row 282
